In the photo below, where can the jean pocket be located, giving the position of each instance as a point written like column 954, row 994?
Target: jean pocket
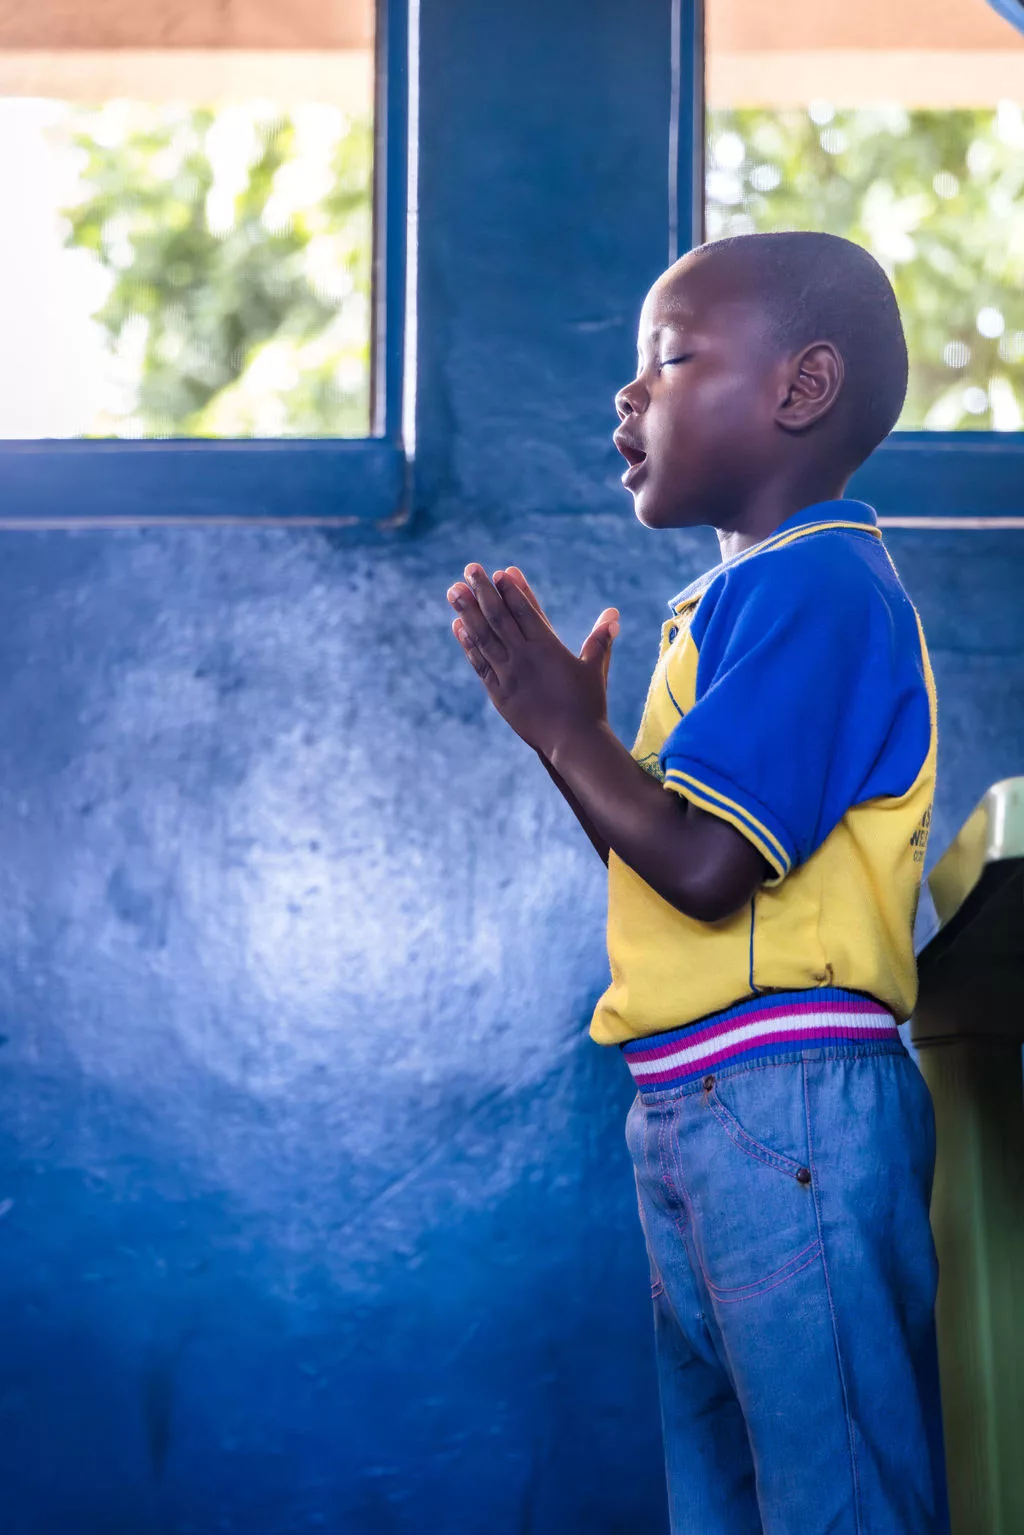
column 738, row 1154
column 747, row 1143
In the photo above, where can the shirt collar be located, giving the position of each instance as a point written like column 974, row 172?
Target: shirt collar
column 811, row 516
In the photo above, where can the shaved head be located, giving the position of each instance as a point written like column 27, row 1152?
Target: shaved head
column 768, row 367
column 819, row 287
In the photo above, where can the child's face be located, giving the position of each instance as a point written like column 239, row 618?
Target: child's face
column 697, row 424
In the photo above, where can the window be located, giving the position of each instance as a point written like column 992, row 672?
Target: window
column 899, row 124
column 192, row 253
column 203, row 291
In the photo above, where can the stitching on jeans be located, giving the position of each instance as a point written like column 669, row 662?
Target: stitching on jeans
column 657, row 1284
column 832, row 1313
column 714, row 1290
column 729, row 1298
column 691, row 1247
column 676, row 1216
column 655, row 1271
column 737, row 1134
column 716, row 1342
column 690, row 1089
column 754, row 1283
column 854, row 1052
column 684, row 1198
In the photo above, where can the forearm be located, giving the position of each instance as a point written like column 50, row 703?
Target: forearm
column 600, row 844
column 688, row 857
column 554, row 700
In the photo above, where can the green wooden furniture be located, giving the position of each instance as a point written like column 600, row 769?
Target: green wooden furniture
column 968, row 1028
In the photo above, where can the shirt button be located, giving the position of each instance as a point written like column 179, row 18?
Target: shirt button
column 709, row 1083
column 803, row 1175
column 672, row 633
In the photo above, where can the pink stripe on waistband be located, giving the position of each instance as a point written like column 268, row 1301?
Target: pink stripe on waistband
column 744, row 1018
column 762, row 1042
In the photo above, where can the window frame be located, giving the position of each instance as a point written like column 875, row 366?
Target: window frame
column 960, row 480
column 290, row 481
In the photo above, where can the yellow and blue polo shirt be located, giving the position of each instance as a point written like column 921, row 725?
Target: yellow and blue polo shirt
column 793, row 697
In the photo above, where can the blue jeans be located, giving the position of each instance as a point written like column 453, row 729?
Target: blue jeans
column 785, row 1207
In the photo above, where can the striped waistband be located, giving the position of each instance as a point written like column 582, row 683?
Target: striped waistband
column 774, row 1024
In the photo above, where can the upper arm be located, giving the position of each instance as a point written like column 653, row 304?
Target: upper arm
column 723, row 867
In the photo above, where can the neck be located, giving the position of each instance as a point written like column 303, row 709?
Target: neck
column 770, row 506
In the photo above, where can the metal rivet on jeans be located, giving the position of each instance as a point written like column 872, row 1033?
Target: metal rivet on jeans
column 803, row 1175
column 709, row 1083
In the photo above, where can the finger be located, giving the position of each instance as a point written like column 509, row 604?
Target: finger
column 613, row 634
column 598, row 643
column 492, row 605
column 477, row 627
column 516, row 575
column 474, row 655
column 606, row 621
column 531, row 621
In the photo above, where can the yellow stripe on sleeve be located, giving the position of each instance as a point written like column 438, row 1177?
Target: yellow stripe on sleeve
column 710, row 799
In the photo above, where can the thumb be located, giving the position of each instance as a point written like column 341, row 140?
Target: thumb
column 597, row 647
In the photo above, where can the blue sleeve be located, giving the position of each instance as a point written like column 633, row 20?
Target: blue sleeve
column 810, row 697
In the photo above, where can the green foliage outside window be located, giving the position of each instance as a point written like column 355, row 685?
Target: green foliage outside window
column 237, row 247
column 937, row 197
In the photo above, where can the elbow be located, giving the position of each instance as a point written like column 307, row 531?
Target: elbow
column 712, row 899
column 709, row 873
column 710, row 906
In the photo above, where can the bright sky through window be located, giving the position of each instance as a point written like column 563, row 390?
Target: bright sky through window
column 190, row 252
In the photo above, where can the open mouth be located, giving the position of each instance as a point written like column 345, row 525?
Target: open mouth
column 635, row 457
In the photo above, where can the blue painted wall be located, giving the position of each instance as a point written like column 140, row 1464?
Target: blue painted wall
column 314, row 1206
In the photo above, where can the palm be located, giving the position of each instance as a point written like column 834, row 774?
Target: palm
column 516, row 575
column 540, row 688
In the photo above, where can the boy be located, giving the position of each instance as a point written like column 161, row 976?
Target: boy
column 764, row 842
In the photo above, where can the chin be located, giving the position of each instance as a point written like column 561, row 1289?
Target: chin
column 646, row 508
column 653, row 513
column 647, row 517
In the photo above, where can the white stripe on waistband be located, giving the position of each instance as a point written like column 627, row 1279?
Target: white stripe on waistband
column 804, row 1023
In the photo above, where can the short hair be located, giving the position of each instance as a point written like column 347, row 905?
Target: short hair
column 820, row 287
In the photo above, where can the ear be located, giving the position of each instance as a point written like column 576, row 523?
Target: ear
column 811, row 385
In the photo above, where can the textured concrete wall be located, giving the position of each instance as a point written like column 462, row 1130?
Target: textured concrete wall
column 315, row 1211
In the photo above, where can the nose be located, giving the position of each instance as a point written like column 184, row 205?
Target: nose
column 631, row 400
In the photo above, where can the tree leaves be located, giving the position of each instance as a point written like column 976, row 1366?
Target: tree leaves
column 938, row 199
column 238, row 247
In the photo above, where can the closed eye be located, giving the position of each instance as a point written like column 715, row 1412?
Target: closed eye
column 669, row 362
